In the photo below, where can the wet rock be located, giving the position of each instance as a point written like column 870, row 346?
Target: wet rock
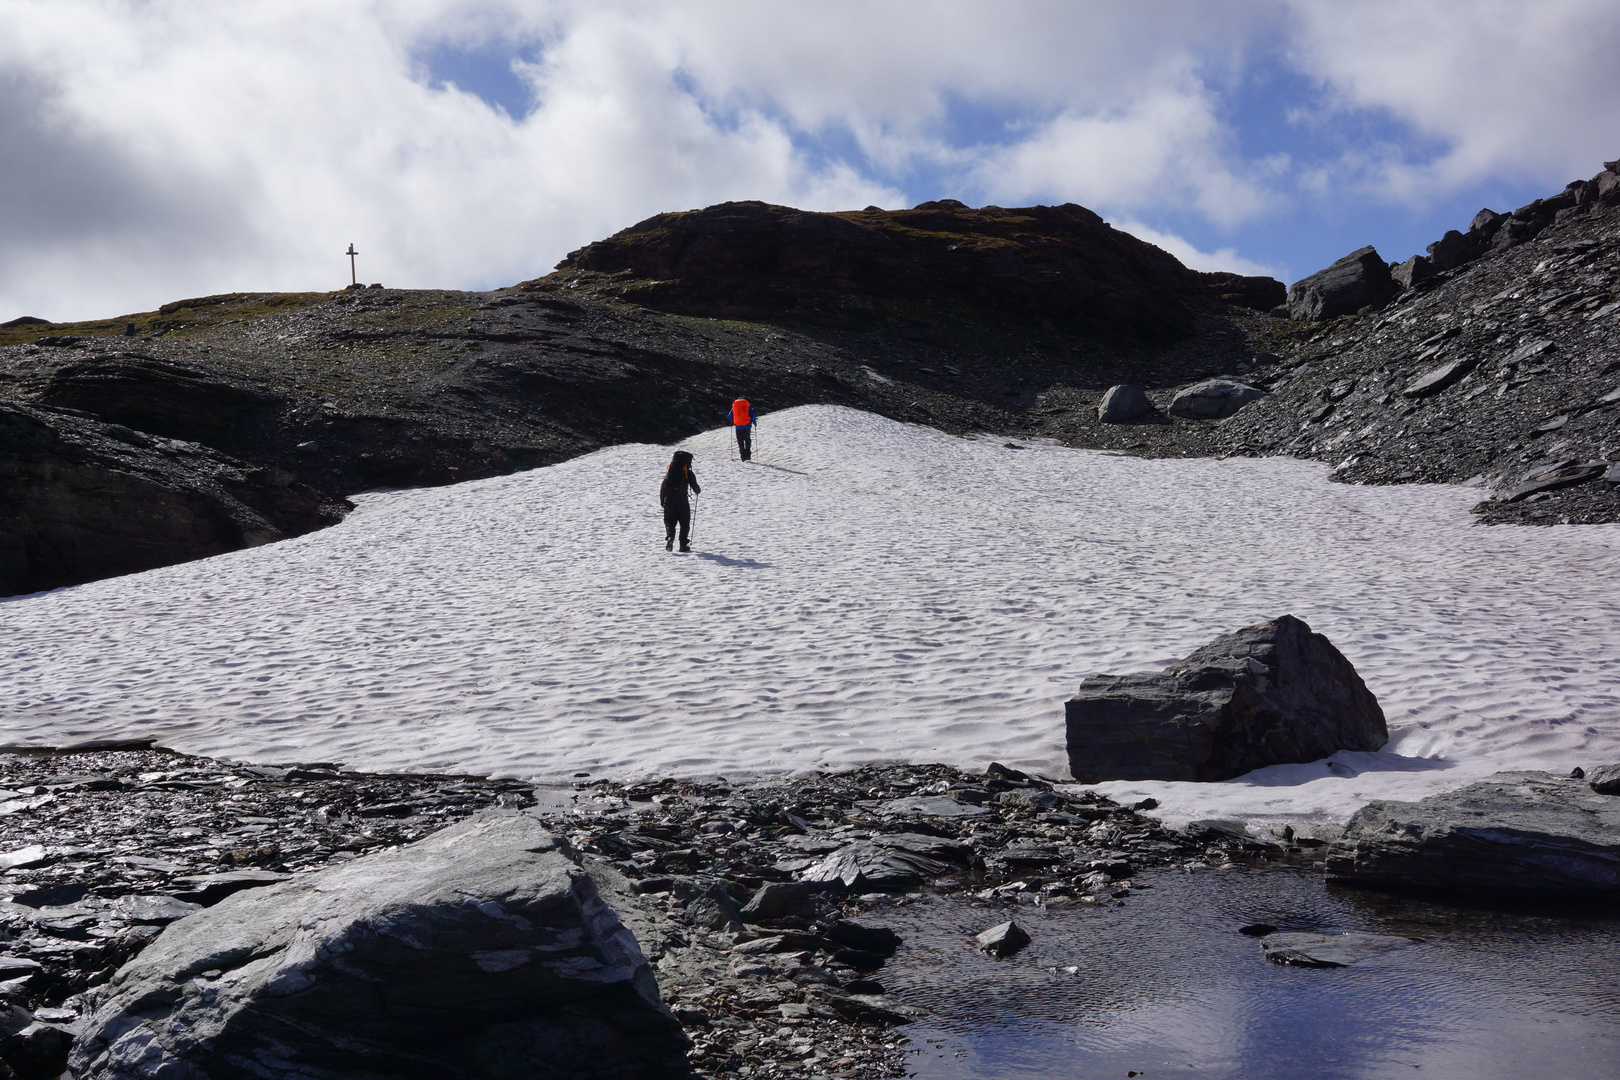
column 1605, row 779
column 1526, row 834
column 1268, row 694
column 1003, row 940
column 889, row 863
column 485, row 943
column 877, row 940
column 1213, row 399
column 1122, row 404
column 1359, row 280
column 1328, row 950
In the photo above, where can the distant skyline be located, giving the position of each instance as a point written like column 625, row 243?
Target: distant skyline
column 158, row 149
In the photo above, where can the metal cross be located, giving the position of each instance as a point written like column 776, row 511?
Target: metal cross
column 351, row 253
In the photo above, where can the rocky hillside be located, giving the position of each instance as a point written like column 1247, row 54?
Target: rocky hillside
column 260, row 413
column 223, row 421
column 1499, row 366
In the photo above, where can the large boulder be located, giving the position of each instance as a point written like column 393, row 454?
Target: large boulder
column 1516, row 834
column 1269, row 694
column 1213, row 399
column 1122, row 404
column 483, row 951
column 1359, row 280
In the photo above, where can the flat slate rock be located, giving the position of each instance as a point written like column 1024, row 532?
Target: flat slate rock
column 1327, row 950
column 931, row 806
column 1516, row 834
column 1440, row 378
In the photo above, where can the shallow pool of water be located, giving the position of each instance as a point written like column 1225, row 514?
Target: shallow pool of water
column 1165, row 986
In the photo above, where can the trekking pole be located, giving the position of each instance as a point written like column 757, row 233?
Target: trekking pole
column 691, row 528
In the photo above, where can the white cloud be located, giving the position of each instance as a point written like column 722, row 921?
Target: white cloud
column 1226, row 259
column 160, row 148
column 1505, row 87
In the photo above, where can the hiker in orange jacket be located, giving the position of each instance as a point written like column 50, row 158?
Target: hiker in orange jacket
column 742, row 418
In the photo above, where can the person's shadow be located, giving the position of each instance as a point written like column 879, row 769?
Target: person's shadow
column 746, row 564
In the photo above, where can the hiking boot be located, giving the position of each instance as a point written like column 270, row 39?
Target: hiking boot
column 686, row 547
column 669, row 544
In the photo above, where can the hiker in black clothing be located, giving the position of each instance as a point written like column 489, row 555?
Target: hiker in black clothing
column 672, row 497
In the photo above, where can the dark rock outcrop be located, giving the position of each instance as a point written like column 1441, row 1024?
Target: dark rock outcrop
column 1269, row 694
column 1518, row 834
column 1063, row 264
column 1122, row 404
column 482, row 951
column 1213, row 399
column 88, row 499
column 1357, row 282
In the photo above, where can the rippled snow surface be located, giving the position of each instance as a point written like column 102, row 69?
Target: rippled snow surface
column 866, row 590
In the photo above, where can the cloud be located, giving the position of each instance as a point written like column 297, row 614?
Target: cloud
column 161, row 148
column 1226, row 258
column 1491, row 87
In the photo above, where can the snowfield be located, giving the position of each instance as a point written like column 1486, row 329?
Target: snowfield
column 864, row 591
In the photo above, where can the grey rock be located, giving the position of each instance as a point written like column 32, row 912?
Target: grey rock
column 1213, row 399
column 35, row 1051
column 18, row 967
column 208, row 889
column 1003, row 940
column 153, row 910
column 931, row 806
column 877, row 940
column 1328, row 950
column 714, row 907
column 1359, row 280
column 24, row 858
column 1442, row 377
column 890, row 863
column 1269, row 694
column 484, row 950
column 1565, row 474
column 862, row 1008
column 1518, row 833
column 1605, row 779
column 1417, row 269
column 1122, row 404
column 780, row 899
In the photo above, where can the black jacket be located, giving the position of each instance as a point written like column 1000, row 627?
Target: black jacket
column 672, row 494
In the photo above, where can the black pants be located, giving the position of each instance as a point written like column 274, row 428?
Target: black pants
column 678, row 514
column 745, row 441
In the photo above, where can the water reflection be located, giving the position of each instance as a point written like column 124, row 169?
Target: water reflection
column 1165, row 986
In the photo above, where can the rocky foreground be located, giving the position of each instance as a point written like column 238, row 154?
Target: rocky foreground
column 225, row 421
column 759, row 905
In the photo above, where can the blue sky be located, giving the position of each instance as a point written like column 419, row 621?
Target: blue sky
column 165, row 148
